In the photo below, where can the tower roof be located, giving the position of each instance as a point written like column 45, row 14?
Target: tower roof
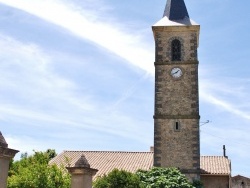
column 176, row 10
column 3, row 143
column 82, row 162
column 175, row 14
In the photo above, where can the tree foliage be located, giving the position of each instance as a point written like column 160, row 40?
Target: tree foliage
column 163, row 178
column 35, row 172
column 197, row 184
column 118, row 178
column 154, row 178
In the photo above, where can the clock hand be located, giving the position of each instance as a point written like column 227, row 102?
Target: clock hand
column 176, row 72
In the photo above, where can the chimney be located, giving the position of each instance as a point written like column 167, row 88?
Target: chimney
column 224, row 151
column 151, row 148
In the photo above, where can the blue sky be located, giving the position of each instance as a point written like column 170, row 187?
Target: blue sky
column 79, row 75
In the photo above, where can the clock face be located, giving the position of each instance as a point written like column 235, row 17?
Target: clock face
column 176, row 72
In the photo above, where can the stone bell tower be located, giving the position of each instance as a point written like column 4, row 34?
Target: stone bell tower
column 176, row 116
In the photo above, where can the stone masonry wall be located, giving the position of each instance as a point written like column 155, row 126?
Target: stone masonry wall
column 175, row 148
column 176, row 96
column 163, row 38
column 177, row 100
column 215, row 181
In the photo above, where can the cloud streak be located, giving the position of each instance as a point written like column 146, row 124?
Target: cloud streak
column 88, row 25
column 38, row 86
column 231, row 99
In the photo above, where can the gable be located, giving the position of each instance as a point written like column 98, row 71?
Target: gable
column 240, row 181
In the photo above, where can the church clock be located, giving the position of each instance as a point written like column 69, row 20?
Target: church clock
column 176, row 72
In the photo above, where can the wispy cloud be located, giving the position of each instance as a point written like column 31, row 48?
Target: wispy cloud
column 27, row 71
column 227, row 106
column 229, row 95
column 230, row 113
column 24, row 144
column 42, row 98
column 91, row 26
column 88, row 25
column 130, row 91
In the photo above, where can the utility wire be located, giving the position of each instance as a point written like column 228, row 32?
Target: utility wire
column 222, row 138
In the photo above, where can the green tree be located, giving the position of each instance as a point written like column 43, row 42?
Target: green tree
column 118, row 179
column 154, row 178
column 197, row 184
column 163, row 178
column 35, row 172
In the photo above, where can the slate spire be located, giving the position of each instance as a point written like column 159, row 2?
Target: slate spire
column 176, row 10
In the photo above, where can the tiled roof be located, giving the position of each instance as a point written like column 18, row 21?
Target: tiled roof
column 216, row 165
column 239, row 177
column 106, row 161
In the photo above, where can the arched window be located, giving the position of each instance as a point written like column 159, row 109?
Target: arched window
column 176, row 50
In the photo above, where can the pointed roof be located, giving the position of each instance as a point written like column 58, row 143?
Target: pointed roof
column 3, row 143
column 82, row 162
column 175, row 14
column 176, row 10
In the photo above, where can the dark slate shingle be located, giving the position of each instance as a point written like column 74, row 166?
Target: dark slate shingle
column 176, row 10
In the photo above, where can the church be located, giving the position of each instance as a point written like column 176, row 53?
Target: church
column 176, row 110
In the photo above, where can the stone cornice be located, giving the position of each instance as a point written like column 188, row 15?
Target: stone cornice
column 176, row 63
column 7, row 152
column 82, row 170
column 161, row 116
column 176, row 28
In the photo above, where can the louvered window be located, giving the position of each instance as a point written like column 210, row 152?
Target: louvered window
column 176, row 50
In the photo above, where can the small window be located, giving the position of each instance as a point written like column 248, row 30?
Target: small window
column 242, row 185
column 176, row 50
column 177, row 126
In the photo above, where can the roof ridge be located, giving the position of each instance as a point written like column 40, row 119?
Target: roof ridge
column 109, row 151
column 132, row 161
column 213, row 156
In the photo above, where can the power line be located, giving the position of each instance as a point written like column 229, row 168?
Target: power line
column 235, row 142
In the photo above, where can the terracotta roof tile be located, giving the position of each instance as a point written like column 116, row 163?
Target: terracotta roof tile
column 216, row 165
column 106, row 161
